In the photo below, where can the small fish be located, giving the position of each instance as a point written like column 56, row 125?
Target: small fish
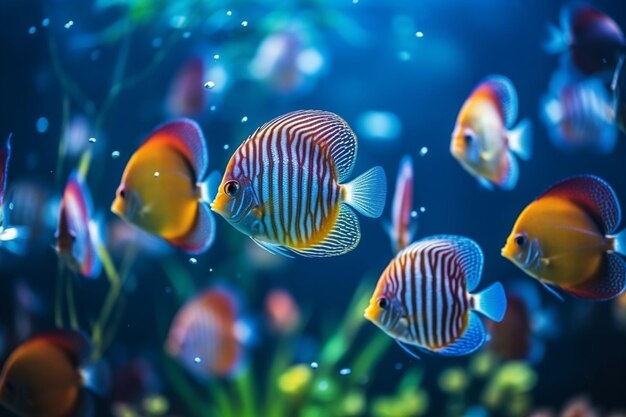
column 282, row 311
column 77, row 234
column 187, row 96
column 42, row 378
column 423, row 298
column 204, row 334
column 161, row 190
column 566, row 238
column 593, row 40
column 402, row 229
column 13, row 239
column 482, row 141
column 284, row 186
column 578, row 114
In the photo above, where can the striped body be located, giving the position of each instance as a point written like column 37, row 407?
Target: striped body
column 294, row 178
column 431, row 286
column 284, row 186
column 401, row 231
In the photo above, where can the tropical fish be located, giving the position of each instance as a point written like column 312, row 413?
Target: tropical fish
column 578, row 114
column 42, row 378
column 78, row 234
column 284, row 186
column 205, row 334
column 593, row 40
column 566, row 238
column 525, row 326
column 423, row 298
column 160, row 191
column 401, row 230
column 282, row 311
column 482, row 141
column 13, row 239
column 187, row 97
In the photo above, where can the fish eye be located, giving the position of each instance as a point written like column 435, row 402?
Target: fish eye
column 123, row 193
column 468, row 138
column 231, row 188
column 383, row 303
column 520, row 240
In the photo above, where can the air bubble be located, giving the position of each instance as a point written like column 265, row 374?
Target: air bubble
column 209, row 84
column 423, row 151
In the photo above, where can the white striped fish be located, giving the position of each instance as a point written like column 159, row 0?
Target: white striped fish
column 284, row 187
column 423, row 297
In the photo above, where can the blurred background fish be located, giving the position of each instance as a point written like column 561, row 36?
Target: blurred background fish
column 403, row 225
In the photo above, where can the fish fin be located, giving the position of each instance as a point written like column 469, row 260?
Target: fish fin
column 510, row 174
column 344, row 237
column 536, row 351
column 75, row 343
column 93, row 268
column 186, row 137
column 606, row 285
column 491, row 302
column 593, row 195
column 521, row 139
column 209, row 187
column 506, row 96
column 474, row 337
column 558, row 40
column 485, row 183
column 619, row 242
column 5, row 156
column 201, row 236
column 367, row 192
column 410, row 349
column 552, row 290
column 14, row 239
column 97, row 377
column 468, row 255
column 273, row 249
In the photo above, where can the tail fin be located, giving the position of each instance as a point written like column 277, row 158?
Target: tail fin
column 367, row 192
column 97, row 377
column 491, row 302
column 557, row 40
column 14, row 239
column 208, row 188
column 521, row 139
column 619, row 244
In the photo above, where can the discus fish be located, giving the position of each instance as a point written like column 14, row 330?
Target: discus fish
column 482, row 141
column 566, row 238
column 284, row 186
column 423, row 298
column 162, row 191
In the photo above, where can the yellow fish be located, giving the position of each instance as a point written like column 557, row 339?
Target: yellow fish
column 161, row 192
column 565, row 238
column 482, row 141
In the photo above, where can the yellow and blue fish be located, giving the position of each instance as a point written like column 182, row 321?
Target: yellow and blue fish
column 162, row 189
column 484, row 140
column 566, row 238
column 424, row 297
column 284, row 186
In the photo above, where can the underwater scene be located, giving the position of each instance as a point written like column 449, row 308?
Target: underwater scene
column 312, row 208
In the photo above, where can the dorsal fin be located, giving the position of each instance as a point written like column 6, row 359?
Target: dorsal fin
column 593, row 195
column 186, row 137
column 74, row 343
column 322, row 127
column 503, row 91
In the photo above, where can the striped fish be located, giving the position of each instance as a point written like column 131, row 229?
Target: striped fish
column 423, row 297
column 284, row 186
column 202, row 335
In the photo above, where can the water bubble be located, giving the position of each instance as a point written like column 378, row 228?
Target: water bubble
column 210, row 269
column 157, row 173
column 422, row 209
column 11, row 206
column 419, row 34
column 423, row 150
column 209, row 84
column 404, row 56
column 226, row 146
column 315, row 365
column 229, row 13
column 115, row 154
column 355, row 1
column 69, row 24
column 244, row 119
column 157, row 42
column 244, row 23
column 92, row 140
column 45, row 22
column 414, row 214
column 345, row 371
column 213, row 107
column 187, row 35
column 197, row 359
column 193, row 261
column 32, row 30
column 42, row 124
column 216, row 57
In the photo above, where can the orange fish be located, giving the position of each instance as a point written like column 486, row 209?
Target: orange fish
column 162, row 191
column 42, row 378
column 566, row 238
column 482, row 141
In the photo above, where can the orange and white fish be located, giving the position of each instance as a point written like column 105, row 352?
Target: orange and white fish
column 78, row 234
column 484, row 141
column 402, row 229
column 43, row 378
column 566, row 238
column 162, row 190
column 284, row 186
